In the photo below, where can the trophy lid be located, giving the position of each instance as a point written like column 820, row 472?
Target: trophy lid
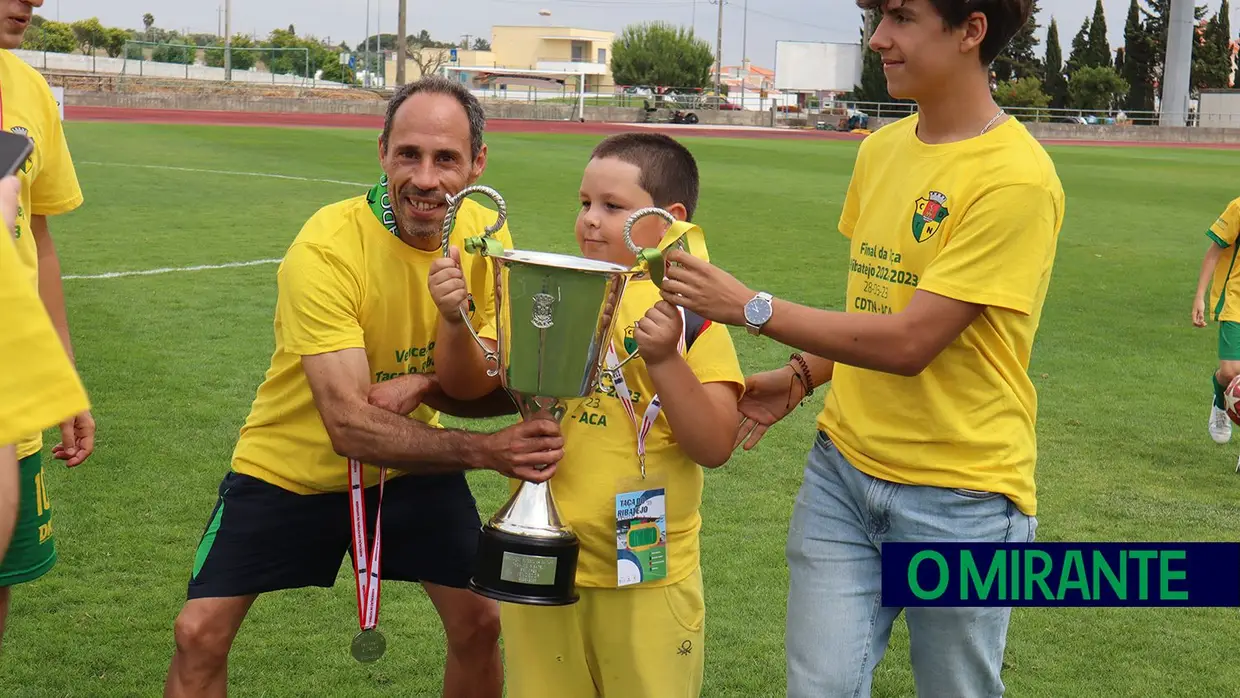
column 562, row 261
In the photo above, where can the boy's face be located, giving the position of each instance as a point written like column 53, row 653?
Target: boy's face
column 610, row 193
column 920, row 53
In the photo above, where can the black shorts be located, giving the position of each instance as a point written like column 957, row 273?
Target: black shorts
column 262, row 538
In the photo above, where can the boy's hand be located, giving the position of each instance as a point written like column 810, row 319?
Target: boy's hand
column 1199, row 312
column 658, row 333
column 447, row 286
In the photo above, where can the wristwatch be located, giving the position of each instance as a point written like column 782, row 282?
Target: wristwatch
column 757, row 312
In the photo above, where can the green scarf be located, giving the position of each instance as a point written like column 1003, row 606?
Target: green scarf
column 381, row 205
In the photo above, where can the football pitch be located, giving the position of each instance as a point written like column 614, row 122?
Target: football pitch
column 172, row 360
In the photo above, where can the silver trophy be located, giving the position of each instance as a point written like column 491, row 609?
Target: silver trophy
column 554, row 319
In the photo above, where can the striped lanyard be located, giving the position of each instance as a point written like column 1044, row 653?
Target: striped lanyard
column 626, row 398
column 366, row 568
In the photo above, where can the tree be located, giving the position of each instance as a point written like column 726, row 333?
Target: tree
column 241, row 60
column 1157, row 20
column 89, row 34
column 1099, row 51
column 429, row 59
column 1212, row 53
column 1018, row 58
column 175, row 52
column 1096, row 89
column 148, row 21
column 1054, row 82
column 1079, row 57
column 481, row 44
column 873, row 87
column 50, row 36
column 1138, row 69
column 114, row 41
column 1022, row 92
column 660, row 54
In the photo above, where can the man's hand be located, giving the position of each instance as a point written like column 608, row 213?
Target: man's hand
column 447, row 286
column 524, row 451
column 77, row 440
column 658, row 333
column 705, row 289
column 1199, row 312
column 769, row 397
column 403, row 394
column 10, row 195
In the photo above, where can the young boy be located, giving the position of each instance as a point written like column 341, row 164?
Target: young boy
column 626, row 638
column 1218, row 271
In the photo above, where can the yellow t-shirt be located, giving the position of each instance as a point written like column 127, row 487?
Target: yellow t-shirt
column 346, row 282
column 977, row 221
column 49, row 182
column 45, row 390
column 600, row 452
column 1225, row 283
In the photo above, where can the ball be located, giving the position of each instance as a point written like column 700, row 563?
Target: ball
column 1231, row 400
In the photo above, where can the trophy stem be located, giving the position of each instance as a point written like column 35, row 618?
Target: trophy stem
column 527, row 553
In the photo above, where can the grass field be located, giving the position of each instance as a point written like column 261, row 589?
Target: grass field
column 172, row 361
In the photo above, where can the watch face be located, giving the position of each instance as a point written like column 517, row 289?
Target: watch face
column 757, row 311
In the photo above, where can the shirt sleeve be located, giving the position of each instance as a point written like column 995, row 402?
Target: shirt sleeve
column 852, row 198
column 1227, row 228
column 712, row 358
column 319, row 302
column 1001, row 249
column 56, row 189
column 46, row 390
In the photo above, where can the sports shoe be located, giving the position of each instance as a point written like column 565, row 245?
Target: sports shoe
column 1220, row 425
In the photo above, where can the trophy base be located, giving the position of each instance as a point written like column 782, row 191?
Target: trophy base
column 526, row 570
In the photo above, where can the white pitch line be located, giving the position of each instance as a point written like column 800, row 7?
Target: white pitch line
column 169, row 270
column 268, row 175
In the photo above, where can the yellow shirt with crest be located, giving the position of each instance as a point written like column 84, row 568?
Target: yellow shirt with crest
column 977, row 221
column 1225, row 284
column 600, row 452
column 348, row 282
column 46, row 390
column 49, row 181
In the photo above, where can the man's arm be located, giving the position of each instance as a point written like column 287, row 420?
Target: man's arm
column 50, row 287
column 403, row 394
column 339, row 382
column 902, row 343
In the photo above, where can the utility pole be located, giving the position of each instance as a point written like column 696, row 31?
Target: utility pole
column 366, row 51
column 745, row 54
column 719, row 54
column 227, row 40
column 467, row 37
column 401, row 40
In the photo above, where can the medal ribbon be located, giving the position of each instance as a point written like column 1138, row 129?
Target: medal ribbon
column 626, row 398
column 366, row 568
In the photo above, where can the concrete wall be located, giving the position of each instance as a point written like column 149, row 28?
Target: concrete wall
column 79, row 63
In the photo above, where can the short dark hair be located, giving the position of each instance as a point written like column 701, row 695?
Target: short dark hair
column 669, row 174
column 1004, row 18
column 442, row 86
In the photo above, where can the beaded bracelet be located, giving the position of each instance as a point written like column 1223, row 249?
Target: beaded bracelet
column 804, row 375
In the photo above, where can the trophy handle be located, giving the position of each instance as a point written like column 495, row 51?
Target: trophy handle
column 486, row 245
column 650, row 259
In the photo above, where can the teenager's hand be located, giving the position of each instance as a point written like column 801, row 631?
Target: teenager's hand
column 705, row 289
column 1199, row 312
column 769, row 397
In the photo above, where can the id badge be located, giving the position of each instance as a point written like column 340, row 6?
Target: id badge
column 641, row 536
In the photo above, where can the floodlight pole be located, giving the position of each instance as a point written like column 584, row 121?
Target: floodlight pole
column 719, row 54
column 227, row 40
column 1173, row 111
column 401, row 40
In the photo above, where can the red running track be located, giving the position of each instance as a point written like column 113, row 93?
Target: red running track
column 232, row 118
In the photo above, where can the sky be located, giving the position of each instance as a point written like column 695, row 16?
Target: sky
column 755, row 31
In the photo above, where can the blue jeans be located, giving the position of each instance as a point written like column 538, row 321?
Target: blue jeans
column 837, row 627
